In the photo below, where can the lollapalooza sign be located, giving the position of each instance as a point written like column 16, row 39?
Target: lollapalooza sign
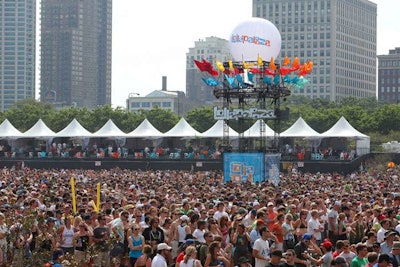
column 252, row 113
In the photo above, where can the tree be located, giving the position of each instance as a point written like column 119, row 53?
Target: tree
column 162, row 119
column 201, row 118
column 25, row 113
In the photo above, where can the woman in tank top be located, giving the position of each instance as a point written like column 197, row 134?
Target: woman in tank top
column 135, row 243
column 81, row 240
column 66, row 234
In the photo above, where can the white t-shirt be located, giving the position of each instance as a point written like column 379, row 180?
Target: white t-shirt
column 311, row 226
column 199, row 235
column 262, row 246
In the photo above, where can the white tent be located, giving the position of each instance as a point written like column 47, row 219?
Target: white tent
column 300, row 129
column 74, row 130
column 8, row 131
column 109, row 130
column 255, row 130
column 182, row 129
column 343, row 128
column 217, row 131
column 145, row 130
column 39, row 131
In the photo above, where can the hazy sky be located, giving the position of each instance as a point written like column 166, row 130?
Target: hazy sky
column 151, row 38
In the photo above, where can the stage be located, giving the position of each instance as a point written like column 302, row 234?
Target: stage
column 312, row 166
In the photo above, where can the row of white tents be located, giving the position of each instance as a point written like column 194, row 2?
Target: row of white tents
column 300, row 129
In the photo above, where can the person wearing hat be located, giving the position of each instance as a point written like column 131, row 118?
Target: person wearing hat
column 163, row 256
column 302, row 248
column 395, row 254
column 275, row 260
column 361, row 259
column 326, row 259
column 183, row 229
column 386, row 246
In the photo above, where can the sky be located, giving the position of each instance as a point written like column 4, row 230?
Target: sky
column 151, row 38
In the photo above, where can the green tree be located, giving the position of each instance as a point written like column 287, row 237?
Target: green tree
column 25, row 113
column 162, row 119
column 201, row 118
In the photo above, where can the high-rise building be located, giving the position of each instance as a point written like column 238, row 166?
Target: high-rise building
column 76, row 52
column 210, row 49
column 339, row 36
column 389, row 76
column 17, row 51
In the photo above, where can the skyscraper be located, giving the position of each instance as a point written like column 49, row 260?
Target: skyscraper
column 17, row 51
column 76, row 52
column 210, row 49
column 389, row 76
column 339, row 36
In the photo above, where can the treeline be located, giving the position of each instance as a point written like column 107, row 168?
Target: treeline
column 379, row 120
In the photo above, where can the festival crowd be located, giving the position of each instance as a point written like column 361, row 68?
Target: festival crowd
column 193, row 219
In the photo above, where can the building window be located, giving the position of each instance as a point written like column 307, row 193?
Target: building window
column 145, row 104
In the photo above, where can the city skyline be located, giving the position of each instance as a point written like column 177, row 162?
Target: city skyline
column 149, row 43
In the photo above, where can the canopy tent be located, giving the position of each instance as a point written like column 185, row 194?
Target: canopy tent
column 255, row 130
column 39, row 131
column 217, row 131
column 74, row 130
column 343, row 129
column 8, row 131
column 182, row 129
column 145, row 130
column 109, row 130
column 300, row 129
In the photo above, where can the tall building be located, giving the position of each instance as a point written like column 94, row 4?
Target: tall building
column 17, row 51
column 389, row 76
column 76, row 52
column 339, row 36
column 210, row 49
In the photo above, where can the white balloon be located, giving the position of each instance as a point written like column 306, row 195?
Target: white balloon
column 255, row 37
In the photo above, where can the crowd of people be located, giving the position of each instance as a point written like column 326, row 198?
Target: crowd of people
column 193, row 219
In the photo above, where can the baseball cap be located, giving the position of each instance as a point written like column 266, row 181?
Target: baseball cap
column 326, row 244
column 390, row 232
column 163, row 246
column 307, row 236
column 184, row 218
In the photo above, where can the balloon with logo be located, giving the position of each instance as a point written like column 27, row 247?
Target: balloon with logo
column 254, row 38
